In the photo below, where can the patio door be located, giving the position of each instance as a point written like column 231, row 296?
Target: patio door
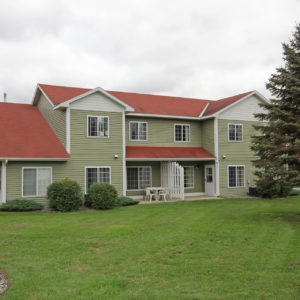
column 209, row 177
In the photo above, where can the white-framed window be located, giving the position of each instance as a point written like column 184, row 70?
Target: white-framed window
column 138, row 178
column 138, row 131
column 96, row 174
column 35, row 181
column 181, row 132
column 235, row 132
column 236, row 176
column 188, row 177
column 98, row 126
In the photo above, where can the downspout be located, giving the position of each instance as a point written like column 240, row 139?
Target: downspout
column 217, row 163
column 3, row 181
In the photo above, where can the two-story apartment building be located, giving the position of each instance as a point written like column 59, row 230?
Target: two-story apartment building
column 194, row 147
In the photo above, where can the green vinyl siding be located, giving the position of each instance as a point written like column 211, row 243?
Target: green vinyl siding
column 237, row 153
column 85, row 152
column 55, row 118
column 207, row 137
column 161, row 133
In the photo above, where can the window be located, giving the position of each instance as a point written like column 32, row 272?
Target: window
column 36, row 181
column 98, row 126
column 236, row 176
column 188, row 177
column 235, row 132
column 138, row 131
column 138, row 178
column 182, row 133
column 97, row 174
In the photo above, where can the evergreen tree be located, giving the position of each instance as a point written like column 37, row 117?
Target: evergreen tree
column 277, row 144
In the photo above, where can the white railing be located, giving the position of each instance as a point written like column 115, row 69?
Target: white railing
column 172, row 177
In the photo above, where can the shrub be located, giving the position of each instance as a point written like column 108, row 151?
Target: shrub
column 124, row 201
column 65, row 195
column 294, row 192
column 270, row 188
column 102, row 195
column 21, row 205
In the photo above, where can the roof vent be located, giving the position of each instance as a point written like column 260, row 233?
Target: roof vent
column 4, row 97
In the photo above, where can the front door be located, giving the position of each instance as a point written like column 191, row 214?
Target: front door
column 209, row 176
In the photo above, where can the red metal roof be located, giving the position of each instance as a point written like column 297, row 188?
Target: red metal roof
column 24, row 133
column 167, row 152
column 148, row 104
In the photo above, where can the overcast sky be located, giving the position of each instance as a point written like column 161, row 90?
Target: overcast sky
column 194, row 48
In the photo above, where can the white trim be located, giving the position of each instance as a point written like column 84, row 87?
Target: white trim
column 193, row 167
column 240, row 100
column 204, row 110
column 194, row 194
column 162, row 116
column 136, row 167
column 217, row 163
column 235, row 141
column 33, row 159
column 124, row 153
column 68, row 131
column 3, row 182
column 236, row 187
column 87, row 127
column 37, row 173
column 38, row 87
column 130, row 139
column 97, row 89
column 189, row 140
column 95, row 167
column 169, row 159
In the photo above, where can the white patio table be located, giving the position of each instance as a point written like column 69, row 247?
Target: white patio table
column 156, row 191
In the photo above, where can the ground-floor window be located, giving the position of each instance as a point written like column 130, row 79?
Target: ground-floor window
column 188, row 177
column 96, row 174
column 138, row 178
column 35, row 181
column 236, row 176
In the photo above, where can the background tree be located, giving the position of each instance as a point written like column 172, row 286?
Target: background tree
column 277, row 145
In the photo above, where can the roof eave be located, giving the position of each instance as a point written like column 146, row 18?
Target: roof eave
column 33, row 159
column 170, row 159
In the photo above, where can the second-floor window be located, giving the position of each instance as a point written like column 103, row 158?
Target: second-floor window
column 98, row 126
column 138, row 131
column 235, row 132
column 182, row 132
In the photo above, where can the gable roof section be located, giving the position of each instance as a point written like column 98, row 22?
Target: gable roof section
column 25, row 134
column 146, row 152
column 146, row 103
column 216, row 106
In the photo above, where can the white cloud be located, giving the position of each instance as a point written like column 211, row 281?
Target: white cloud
column 204, row 49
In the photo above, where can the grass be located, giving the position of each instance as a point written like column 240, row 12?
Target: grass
column 216, row 249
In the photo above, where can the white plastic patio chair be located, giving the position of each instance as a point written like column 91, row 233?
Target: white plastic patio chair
column 149, row 195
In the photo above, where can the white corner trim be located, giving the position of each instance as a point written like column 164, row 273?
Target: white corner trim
column 124, row 154
column 217, row 164
column 97, row 89
column 204, row 110
column 68, row 131
column 3, row 182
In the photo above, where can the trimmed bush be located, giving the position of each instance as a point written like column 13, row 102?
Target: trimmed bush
column 124, row 201
column 270, row 188
column 21, row 205
column 65, row 195
column 102, row 195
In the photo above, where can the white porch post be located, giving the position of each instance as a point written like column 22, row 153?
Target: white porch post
column 3, row 181
column 217, row 163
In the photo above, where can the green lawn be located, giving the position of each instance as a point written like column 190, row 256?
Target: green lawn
column 216, row 249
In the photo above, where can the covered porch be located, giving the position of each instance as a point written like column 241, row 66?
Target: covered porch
column 184, row 171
